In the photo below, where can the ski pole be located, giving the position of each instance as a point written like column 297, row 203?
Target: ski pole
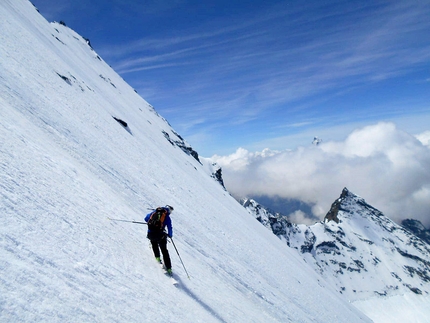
column 127, row 221
column 171, row 239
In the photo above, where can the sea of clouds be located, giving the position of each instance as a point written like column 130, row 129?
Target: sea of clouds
column 388, row 167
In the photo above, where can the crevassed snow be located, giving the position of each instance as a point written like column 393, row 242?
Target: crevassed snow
column 66, row 166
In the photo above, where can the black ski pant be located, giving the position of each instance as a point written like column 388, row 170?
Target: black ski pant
column 161, row 244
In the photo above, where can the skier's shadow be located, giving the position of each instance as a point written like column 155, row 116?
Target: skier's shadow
column 208, row 308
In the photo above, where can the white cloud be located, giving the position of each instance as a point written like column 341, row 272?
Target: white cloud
column 300, row 217
column 424, row 138
column 386, row 166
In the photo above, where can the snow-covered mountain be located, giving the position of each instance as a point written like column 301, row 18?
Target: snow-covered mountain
column 79, row 145
column 417, row 228
column 357, row 249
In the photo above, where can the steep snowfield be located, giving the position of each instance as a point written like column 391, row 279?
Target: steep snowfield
column 66, row 166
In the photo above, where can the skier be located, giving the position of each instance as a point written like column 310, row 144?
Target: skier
column 157, row 220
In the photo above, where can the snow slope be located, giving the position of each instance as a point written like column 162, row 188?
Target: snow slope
column 66, row 165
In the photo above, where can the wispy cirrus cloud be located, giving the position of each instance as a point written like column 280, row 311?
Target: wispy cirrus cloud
column 285, row 60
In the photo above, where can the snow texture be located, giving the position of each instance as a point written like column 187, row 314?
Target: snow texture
column 67, row 164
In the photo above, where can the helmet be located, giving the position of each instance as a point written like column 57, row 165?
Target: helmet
column 170, row 208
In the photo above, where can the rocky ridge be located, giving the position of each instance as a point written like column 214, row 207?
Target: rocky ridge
column 361, row 251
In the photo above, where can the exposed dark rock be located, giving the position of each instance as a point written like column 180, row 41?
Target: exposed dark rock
column 416, row 258
column 335, row 207
column 218, row 176
column 327, row 247
column 88, row 42
column 309, row 243
column 414, row 289
column 359, row 263
column 121, row 122
column 423, row 274
column 343, row 243
column 376, row 260
column 59, row 40
column 65, row 79
column 396, row 276
column 363, row 239
column 35, row 7
column 351, row 269
column 278, row 225
column 181, row 144
column 108, row 80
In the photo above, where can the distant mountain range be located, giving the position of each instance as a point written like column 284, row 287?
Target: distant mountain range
column 357, row 248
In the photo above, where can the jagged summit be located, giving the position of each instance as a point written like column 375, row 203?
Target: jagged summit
column 347, row 204
column 335, row 207
column 357, row 248
column 363, row 240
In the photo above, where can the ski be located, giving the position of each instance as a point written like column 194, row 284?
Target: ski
column 170, row 276
column 172, row 279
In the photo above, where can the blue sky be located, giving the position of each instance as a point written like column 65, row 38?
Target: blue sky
column 265, row 74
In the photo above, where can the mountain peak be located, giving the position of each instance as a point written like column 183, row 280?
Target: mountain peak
column 349, row 204
column 332, row 215
column 358, row 249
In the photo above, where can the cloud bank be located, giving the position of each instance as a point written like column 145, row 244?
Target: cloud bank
column 384, row 165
